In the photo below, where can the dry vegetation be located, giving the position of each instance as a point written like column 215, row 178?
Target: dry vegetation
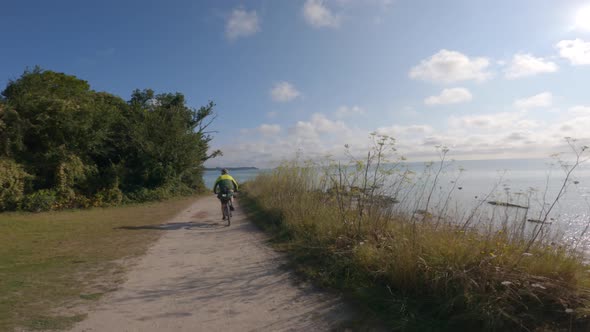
column 420, row 271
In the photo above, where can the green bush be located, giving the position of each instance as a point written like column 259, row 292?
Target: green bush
column 77, row 142
column 70, row 172
column 108, row 197
column 80, row 202
column 146, row 195
column 12, row 184
column 42, row 200
column 160, row 193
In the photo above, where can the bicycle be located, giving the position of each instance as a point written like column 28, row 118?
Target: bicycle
column 226, row 205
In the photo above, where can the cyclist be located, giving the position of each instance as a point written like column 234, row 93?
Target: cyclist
column 225, row 184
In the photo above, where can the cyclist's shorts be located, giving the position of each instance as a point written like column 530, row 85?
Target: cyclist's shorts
column 225, row 195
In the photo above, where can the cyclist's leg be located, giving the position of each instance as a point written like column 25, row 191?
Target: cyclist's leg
column 222, row 211
column 231, row 201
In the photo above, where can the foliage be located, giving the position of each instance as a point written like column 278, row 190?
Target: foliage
column 419, row 271
column 40, row 200
column 108, row 197
column 167, row 141
column 94, row 148
column 12, row 184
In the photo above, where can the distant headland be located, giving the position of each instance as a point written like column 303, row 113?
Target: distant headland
column 230, row 168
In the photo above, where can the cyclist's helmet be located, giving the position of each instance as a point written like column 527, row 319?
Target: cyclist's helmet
column 224, row 171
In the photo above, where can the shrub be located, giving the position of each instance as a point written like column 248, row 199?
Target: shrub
column 167, row 191
column 42, row 200
column 108, row 197
column 12, row 184
column 80, row 202
column 147, row 195
column 69, row 174
column 77, row 141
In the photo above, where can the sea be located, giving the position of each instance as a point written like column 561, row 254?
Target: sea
column 540, row 185
column 472, row 184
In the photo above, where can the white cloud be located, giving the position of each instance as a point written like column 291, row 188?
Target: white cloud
column 450, row 96
column 451, row 66
column 541, row 100
column 583, row 19
column 319, row 16
column 283, row 92
column 320, row 124
column 315, row 138
column 574, row 123
column 269, row 129
column 524, row 65
column 576, row 51
column 492, row 135
column 241, row 23
column 344, row 111
column 517, row 136
column 406, row 131
column 580, row 111
column 496, row 122
column 381, row 4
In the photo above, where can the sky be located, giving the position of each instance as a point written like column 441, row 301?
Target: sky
column 487, row 79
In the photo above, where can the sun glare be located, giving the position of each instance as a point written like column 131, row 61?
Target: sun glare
column 583, row 18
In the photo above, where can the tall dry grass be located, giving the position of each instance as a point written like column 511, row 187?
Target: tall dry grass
column 425, row 270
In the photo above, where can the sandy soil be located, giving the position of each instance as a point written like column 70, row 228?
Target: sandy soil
column 204, row 276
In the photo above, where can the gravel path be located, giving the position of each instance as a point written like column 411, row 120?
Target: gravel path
column 204, row 276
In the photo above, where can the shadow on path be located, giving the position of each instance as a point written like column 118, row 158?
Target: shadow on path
column 179, row 225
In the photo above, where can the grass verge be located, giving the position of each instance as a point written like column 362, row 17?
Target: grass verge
column 55, row 260
column 421, row 275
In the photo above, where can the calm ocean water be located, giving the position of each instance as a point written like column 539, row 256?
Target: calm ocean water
column 530, row 182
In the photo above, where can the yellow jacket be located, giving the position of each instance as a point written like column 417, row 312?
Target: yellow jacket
column 225, row 182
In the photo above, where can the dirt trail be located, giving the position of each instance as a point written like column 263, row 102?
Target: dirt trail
column 203, row 276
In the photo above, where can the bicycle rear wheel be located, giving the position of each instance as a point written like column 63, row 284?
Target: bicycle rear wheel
column 227, row 213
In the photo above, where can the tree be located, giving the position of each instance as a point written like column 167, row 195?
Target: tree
column 49, row 110
column 168, row 141
column 76, row 142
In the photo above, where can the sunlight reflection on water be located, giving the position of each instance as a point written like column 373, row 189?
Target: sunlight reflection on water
column 531, row 183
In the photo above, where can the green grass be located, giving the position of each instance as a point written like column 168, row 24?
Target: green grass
column 56, row 260
column 421, row 276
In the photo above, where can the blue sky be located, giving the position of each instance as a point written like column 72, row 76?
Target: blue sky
column 488, row 79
